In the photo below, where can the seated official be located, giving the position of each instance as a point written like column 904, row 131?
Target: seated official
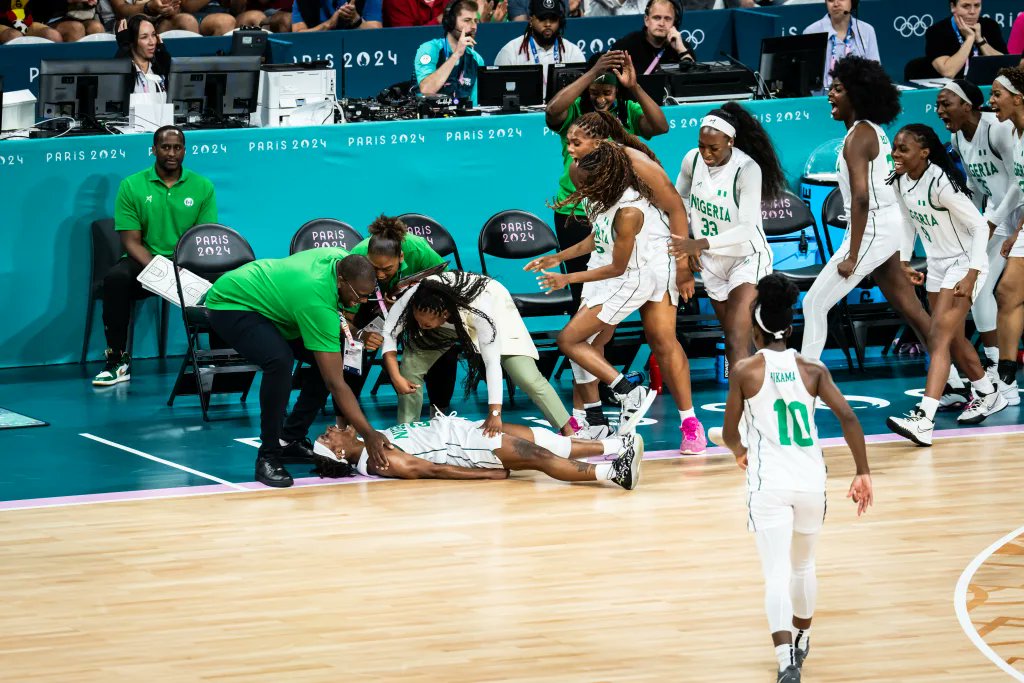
column 542, row 43
column 152, row 211
column 274, row 311
column 449, row 65
column 846, row 36
column 951, row 42
column 330, row 15
column 137, row 39
column 660, row 41
column 395, row 254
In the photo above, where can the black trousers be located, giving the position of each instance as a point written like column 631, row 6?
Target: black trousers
column 120, row 291
column 439, row 380
column 256, row 338
column 572, row 230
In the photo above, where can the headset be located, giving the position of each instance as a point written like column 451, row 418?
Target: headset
column 676, row 6
column 448, row 16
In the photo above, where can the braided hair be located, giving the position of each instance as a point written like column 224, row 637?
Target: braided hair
column 609, row 173
column 752, row 138
column 524, row 47
column 602, row 125
column 937, row 154
column 776, row 296
column 452, row 294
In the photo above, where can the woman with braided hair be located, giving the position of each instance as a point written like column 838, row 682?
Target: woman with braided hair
column 659, row 313
column 618, row 280
column 485, row 320
column 1007, row 100
column 936, row 202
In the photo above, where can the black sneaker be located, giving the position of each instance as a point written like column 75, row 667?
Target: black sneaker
column 791, row 674
column 626, row 467
column 298, row 453
column 954, row 399
column 801, row 654
column 270, row 472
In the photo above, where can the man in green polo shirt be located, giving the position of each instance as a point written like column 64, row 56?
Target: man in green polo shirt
column 153, row 209
column 274, row 311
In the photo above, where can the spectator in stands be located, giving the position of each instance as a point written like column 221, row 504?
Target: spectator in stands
column 660, row 41
column 950, row 43
column 154, row 208
column 603, row 88
column 518, row 10
column 138, row 40
column 16, row 20
column 858, row 37
column 166, row 15
column 328, row 15
column 73, row 19
column 430, row 12
column 542, row 43
column 449, row 65
column 1015, row 46
column 612, row 8
column 718, row 4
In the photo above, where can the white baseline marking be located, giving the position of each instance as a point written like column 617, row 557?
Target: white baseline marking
column 960, row 604
column 175, row 465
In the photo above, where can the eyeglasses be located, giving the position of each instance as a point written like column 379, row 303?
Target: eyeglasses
column 357, row 295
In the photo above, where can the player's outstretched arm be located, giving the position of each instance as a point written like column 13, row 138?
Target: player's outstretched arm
column 404, row 466
column 733, row 413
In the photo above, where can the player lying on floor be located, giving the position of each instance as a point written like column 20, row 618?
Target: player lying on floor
column 450, row 447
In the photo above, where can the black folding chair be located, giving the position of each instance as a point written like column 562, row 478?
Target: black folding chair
column 324, row 232
column 433, row 232
column 209, row 251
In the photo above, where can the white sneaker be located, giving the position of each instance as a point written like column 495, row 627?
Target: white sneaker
column 593, row 432
column 635, row 405
column 915, row 426
column 953, row 399
column 981, row 406
column 1009, row 392
column 626, row 467
column 116, row 370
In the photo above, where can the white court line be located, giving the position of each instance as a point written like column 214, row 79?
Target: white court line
column 960, row 604
column 175, row 465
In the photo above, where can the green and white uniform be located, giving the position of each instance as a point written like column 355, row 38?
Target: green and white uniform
column 724, row 206
column 445, row 440
column 1018, row 173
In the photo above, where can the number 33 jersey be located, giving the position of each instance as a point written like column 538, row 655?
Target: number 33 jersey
column 783, row 452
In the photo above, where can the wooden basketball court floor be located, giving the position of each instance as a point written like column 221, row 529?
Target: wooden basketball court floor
column 136, row 547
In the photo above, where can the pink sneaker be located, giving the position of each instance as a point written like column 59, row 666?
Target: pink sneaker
column 694, row 441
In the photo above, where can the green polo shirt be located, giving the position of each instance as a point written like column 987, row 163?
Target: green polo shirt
column 634, row 112
column 162, row 213
column 299, row 294
column 417, row 255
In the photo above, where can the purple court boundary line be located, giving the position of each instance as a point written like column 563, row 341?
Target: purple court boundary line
column 306, row 482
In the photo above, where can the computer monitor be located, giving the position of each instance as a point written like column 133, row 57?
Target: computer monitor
column 85, row 89
column 523, row 82
column 981, row 71
column 794, row 66
column 213, row 87
column 561, row 75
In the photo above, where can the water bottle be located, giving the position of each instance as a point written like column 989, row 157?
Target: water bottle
column 656, row 382
column 721, row 364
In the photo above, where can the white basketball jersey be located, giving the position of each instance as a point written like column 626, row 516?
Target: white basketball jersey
column 425, row 440
column 714, row 206
column 941, row 236
column 880, row 194
column 604, row 236
column 1018, row 160
column 989, row 174
column 782, row 439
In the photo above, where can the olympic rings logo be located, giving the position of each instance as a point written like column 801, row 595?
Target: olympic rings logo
column 912, row 25
column 694, row 38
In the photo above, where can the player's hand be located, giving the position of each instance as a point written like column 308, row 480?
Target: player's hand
column 372, row 340
column 542, row 263
column 552, row 282
column 377, row 446
column 1008, row 243
column 626, row 73
column 686, row 284
column 861, row 493
column 403, row 386
column 741, row 460
column 966, row 286
column 466, row 41
column 694, row 264
column 847, row 267
column 491, row 426
column 609, row 61
column 916, row 277
column 684, row 246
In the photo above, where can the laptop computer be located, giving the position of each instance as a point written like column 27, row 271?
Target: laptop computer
column 982, row 71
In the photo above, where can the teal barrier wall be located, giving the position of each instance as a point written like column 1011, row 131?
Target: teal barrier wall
column 270, row 181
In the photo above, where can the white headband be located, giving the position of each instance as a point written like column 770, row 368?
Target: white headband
column 958, row 91
column 720, row 124
column 780, row 335
column 1005, row 82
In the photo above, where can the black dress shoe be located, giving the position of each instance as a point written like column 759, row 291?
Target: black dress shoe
column 297, row 453
column 270, row 472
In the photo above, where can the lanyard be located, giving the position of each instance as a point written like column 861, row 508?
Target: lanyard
column 833, row 44
column 959, row 36
column 344, row 327
column 380, row 302
column 536, row 53
column 654, row 62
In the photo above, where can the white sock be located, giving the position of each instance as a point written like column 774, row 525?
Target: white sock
column 556, row 443
column 784, row 653
column 580, row 414
column 801, row 638
column 992, row 352
column 603, row 471
column 983, row 385
column 595, row 404
column 929, row 405
column 954, row 380
column 611, row 446
column 684, row 414
column 618, row 378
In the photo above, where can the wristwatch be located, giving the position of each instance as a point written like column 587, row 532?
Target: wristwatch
column 495, row 413
column 981, row 43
